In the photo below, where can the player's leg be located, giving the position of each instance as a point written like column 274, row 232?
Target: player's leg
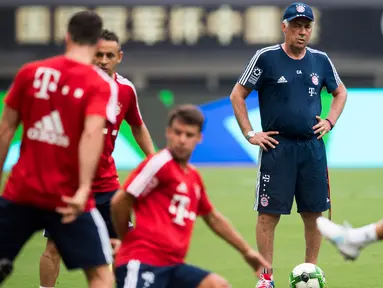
column 349, row 241
column 312, row 194
column 188, row 276
column 103, row 200
column 17, row 224
column 84, row 244
column 274, row 194
column 137, row 275
column 49, row 263
column 312, row 236
column 214, row 281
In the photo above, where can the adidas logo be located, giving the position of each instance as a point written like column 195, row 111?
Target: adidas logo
column 49, row 130
column 282, row 80
column 182, row 188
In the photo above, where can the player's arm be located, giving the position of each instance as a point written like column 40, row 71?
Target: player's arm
column 142, row 136
column 337, row 89
column 139, row 130
column 334, row 86
column 121, row 211
column 218, row 223
column 251, row 79
column 10, row 118
column 9, row 122
column 222, row 227
column 139, row 184
column 90, row 148
column 237, row 98
column 338, row 103
column 101, row 105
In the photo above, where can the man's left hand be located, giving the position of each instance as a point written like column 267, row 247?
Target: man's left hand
column 323, row 127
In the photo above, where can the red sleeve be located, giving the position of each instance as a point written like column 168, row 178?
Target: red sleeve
column 103, row 98
column 16, row 91
column 145, row 178
column 133, row 114
column 205, row 206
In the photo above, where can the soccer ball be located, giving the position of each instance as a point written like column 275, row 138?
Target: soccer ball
column 307, row 275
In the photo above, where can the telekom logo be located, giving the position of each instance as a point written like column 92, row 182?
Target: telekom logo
column 46, row 79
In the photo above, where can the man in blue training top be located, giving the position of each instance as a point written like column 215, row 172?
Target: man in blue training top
column 292, row 162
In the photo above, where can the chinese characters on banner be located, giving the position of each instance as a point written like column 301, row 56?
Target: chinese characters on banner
column 152, row 25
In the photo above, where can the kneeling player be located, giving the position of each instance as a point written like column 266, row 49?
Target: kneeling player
column 106, row 183
column 167, row 194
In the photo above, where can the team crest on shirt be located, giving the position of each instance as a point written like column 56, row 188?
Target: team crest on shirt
column 118, row 108
column 314, row 78
column 300, row 8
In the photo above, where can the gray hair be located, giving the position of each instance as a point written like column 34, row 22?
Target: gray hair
column 287, row 23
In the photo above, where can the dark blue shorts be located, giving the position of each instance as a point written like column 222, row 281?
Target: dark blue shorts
column 138, row 275
column 103, row 200
column 83, row 243
column 294, row 168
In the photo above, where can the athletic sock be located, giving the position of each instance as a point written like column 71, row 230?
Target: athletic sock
column 269, row 272
column 364, row 235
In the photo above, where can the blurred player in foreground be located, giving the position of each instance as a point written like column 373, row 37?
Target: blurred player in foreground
column 166, row 194
column 350, row 241
column 289, row 78
column 63, row 103
column 106, row 181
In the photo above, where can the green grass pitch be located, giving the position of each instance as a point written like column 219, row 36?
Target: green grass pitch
column 357, row 195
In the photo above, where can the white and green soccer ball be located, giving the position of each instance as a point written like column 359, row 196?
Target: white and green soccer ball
column 307, row 275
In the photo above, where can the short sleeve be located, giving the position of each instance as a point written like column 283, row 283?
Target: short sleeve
column 253, row 73
column 103, row 98
column 204, row 206
column 133, row 114
column 16, row 91
column 331, row 78
column 145, row 178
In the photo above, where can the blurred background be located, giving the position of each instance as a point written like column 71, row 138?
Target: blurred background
column 193, row 52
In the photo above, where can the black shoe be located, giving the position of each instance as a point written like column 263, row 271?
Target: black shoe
column 6, row 268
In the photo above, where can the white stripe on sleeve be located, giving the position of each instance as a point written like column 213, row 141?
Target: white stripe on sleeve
column 250, row 67
column 143, row 178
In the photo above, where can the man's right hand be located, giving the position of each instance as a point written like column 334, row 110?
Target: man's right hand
column 256, row 261
column 75, row 205
column 263, row 139
column 116, row 244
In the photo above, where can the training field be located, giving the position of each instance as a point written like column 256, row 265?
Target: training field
column 357, row 196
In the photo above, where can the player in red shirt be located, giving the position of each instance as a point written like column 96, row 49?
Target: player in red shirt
column 106, row 181
column 167, row 194
column 63, row 103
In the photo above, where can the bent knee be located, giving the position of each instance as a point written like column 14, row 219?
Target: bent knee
column 214, row 281
column 51, row 250
column 100, row 276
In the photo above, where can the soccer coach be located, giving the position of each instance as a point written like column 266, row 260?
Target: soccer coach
column 289, row 78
